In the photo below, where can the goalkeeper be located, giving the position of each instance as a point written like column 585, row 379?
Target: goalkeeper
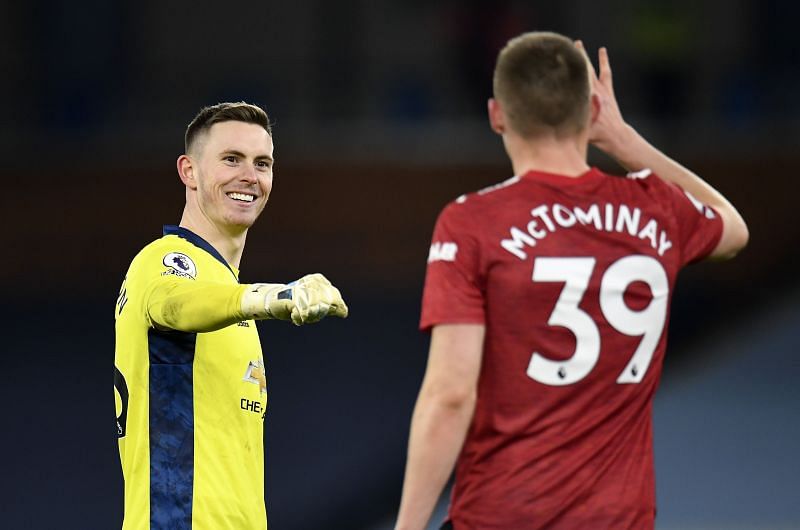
column 189, row 380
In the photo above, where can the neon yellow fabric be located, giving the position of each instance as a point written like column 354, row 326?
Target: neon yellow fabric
column 191, row 424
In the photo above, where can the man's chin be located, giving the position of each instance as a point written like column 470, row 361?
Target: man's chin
column 239, row 224
column 241, row 220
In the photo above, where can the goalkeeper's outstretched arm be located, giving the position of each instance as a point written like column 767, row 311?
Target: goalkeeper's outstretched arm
column 206, row 306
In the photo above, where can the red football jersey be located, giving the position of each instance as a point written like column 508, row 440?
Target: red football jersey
column 573, row 278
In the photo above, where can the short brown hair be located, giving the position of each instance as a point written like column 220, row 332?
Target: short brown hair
column 542, row 83
column 239, row 111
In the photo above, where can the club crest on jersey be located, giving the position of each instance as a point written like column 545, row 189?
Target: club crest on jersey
column 255, row 374
column 180, row 265
column 442, row 251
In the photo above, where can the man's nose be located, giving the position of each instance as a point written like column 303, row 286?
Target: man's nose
column 250, row 174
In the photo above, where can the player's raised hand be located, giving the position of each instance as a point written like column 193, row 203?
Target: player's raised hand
column 608, row 130
column 313, row 298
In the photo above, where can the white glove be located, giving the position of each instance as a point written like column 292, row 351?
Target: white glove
column 307, row 300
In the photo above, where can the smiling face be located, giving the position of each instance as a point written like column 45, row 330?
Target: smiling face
column 228, row 176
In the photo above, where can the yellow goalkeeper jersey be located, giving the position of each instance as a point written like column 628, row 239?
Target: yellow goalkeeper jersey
column 190, row 391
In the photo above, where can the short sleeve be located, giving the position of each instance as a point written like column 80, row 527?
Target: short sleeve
column 699, row 225
column 454, row 291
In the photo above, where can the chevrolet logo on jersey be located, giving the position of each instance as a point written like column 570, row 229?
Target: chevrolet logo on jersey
column 255, row 374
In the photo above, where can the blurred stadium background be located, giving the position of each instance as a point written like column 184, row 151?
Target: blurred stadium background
column 379, row 121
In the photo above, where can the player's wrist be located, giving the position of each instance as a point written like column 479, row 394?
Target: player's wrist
column 629, row 148
column 265, row 301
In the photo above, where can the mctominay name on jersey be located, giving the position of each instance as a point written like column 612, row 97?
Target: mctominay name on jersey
column 550, row 218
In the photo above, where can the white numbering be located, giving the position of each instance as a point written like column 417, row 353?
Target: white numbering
column 575, row 273
column 647, row 323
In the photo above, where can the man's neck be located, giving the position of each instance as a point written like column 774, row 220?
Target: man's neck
column 229, row 245
column 550, row 154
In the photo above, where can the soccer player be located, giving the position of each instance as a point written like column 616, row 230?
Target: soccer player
column 189, row 372
column 547, row 298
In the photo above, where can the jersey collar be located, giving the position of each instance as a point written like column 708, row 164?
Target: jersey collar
column 591, row 175
column 194, row 239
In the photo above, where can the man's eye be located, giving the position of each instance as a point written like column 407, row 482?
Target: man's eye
column 263, row 164
column 230, row 158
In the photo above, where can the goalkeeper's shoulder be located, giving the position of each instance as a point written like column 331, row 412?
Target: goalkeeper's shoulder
column 164, row 262
column 164, row 255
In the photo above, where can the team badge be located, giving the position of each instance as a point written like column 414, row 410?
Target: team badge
column 255, row 374
column 181, row 264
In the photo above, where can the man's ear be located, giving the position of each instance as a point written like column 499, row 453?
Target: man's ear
column 186, row 171
column 497, row 118
column 596, row 107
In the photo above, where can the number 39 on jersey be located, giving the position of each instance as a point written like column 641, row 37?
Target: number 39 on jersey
column 647, row 323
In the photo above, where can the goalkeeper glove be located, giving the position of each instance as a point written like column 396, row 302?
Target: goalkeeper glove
column 307, row 300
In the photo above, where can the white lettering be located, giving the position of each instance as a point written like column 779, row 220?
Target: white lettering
column 541, row 211
column 649, row 231
column 449, row 251
column 515, row 244
column 664, row 244
column 433, row 254
column 538, row 234
column 628, row 220
column 563, row 215
column 592, row 215
column 442, row 252
column 625, row 220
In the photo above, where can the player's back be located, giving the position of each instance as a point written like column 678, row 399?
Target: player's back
column 572, row 278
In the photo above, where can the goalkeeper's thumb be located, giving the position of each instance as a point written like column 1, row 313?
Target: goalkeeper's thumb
column 268, row 300
column 314, row 299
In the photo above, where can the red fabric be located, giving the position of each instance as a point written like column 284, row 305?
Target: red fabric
column 566, row 456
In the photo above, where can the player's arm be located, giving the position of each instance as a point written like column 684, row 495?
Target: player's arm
column 198, row 306
column 193, row 306
column 610, row 133
column 441, row 419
